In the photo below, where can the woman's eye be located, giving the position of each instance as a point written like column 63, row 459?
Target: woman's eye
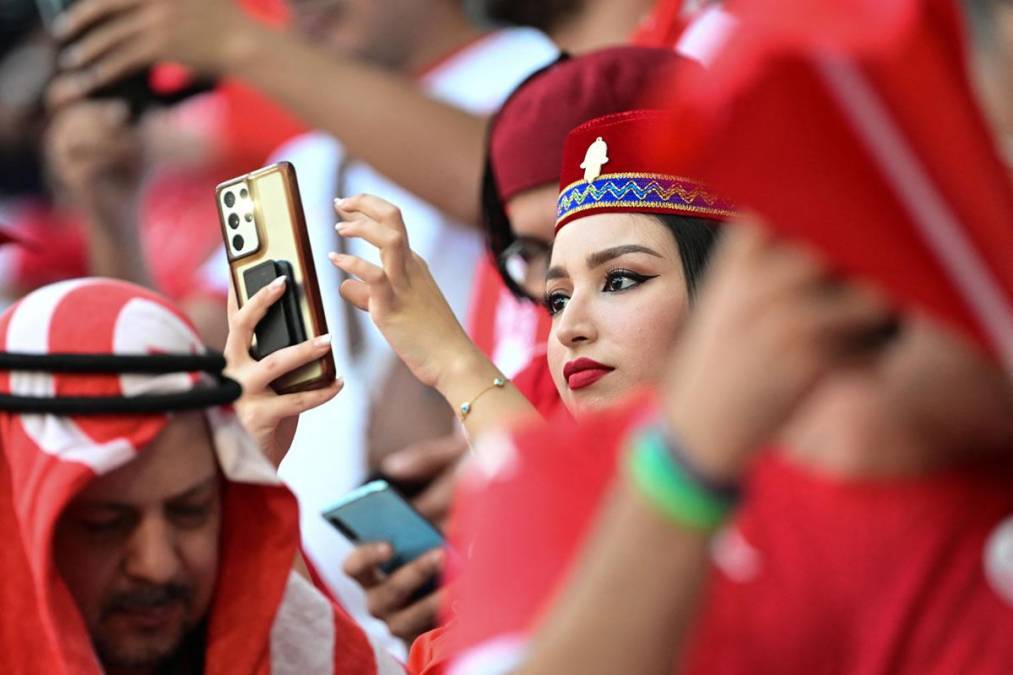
column 556, row 302
column 622, row 280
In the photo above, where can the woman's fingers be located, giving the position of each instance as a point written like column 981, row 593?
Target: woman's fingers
column 291, row 405
column 363, row 562
column 355, row 292
column 394, row 591
column 357, row 267
column 243, row 322
column 374, row 285
column 372, row 208
column 379, row 223
column 262, row 373
column 231, row 305
column 416, row 619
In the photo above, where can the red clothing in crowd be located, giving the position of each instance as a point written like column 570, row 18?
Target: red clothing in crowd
column 911, row 575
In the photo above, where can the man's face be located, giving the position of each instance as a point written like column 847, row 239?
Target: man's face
column 383, row 32
column 138, row 548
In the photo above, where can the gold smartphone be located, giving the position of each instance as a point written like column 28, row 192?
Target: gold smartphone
column 265, row 235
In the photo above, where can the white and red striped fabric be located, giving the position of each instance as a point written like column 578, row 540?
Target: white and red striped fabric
column 264, row 618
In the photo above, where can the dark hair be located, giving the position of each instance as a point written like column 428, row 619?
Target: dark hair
column 498, row 232
column 695, row 238
column 545, row 15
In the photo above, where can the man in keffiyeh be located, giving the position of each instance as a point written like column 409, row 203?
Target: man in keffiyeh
column 146, row 543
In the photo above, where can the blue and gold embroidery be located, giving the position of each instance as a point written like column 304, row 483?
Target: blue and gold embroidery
column 641, row 190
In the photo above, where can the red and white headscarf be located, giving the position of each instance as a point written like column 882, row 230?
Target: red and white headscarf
column 264, row 618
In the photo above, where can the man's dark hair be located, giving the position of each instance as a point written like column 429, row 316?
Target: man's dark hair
column 545, row 15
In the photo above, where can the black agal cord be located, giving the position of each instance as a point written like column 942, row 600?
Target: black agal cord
column 224, row 390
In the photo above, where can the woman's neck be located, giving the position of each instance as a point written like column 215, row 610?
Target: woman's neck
column 602, row 23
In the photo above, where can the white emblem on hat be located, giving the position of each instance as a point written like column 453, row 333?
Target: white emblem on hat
column 597, row 154
column 999, row 560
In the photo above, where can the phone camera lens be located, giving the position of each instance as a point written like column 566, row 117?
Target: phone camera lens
column 237, row 242
column 233, row 220
column 230, row 199
column 249, row 217
column 243, row 193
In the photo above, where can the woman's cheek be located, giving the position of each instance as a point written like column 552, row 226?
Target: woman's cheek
column 645, row 332
column 555, row 354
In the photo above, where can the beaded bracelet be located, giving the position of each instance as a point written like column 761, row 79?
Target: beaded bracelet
column 659, row 469
column 466, row 407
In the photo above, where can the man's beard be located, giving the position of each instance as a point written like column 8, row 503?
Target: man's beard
column 144, row 651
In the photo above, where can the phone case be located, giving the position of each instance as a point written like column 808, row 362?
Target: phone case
column 264, row 229
column 376, row 512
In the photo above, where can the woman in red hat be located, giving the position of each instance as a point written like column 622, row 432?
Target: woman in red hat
column 623, row 277
column 520, row 187
column 631, row 242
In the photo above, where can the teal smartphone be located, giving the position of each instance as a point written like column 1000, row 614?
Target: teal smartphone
column 376, row 512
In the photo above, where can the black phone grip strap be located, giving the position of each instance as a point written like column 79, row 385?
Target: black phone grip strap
column 223, row 391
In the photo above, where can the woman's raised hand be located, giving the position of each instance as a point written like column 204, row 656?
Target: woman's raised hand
column 401, row 296
column 269, row 417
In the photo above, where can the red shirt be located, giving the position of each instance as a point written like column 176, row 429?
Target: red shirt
column 815, row 576
column 827, row 576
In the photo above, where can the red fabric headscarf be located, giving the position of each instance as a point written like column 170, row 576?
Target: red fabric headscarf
column 263, row 617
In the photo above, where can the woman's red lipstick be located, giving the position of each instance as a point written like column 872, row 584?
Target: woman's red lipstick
column 584, row 372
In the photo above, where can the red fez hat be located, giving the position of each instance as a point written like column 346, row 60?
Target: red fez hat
column 526, row 141
column 609, row 166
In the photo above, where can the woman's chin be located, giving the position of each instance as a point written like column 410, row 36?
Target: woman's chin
column 592, row 399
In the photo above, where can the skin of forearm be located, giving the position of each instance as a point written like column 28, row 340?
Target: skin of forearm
column 114, row 245
column 629, row 602
column 432, row 149
column 471, row 372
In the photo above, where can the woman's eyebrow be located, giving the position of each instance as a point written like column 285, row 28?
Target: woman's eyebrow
column 603, row 256
column 555, row 273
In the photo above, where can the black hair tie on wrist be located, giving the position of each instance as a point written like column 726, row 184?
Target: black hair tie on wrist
column 225, row 390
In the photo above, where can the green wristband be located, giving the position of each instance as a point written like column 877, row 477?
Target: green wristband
column 670, row 488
